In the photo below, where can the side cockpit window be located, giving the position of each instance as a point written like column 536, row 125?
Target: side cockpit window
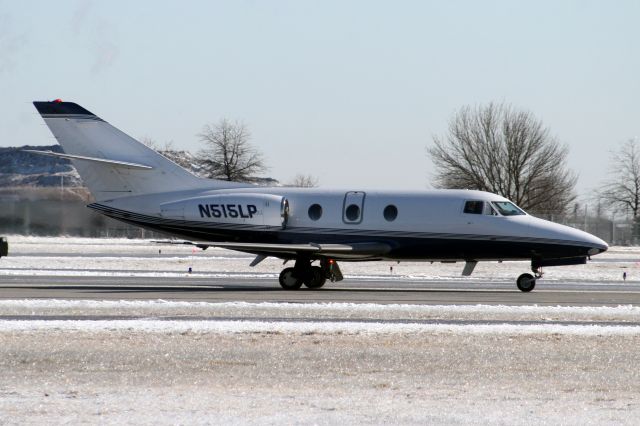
column 474, row 207
column 479, row 207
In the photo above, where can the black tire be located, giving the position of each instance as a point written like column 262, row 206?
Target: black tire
column 288, row 281
column 526, row 283
column 316, row 278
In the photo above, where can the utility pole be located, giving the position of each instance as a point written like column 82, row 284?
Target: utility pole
column 613, row 228
column 585, row 219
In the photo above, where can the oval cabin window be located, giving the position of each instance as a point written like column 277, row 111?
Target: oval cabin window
column 315, row 212
column 352, row 212
column 390, row 212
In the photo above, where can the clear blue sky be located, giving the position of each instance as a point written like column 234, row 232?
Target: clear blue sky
column 348, row 91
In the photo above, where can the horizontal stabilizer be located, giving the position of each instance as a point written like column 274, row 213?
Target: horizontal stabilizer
column 116, row 163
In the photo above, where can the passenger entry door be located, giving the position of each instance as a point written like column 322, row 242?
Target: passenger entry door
column 353, row 207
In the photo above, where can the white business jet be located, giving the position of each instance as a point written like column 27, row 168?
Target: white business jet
column 316, row 228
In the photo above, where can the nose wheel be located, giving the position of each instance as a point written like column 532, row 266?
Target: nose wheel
column 526, row 283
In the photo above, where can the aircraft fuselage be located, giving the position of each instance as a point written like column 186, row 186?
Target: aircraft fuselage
column 417, row 225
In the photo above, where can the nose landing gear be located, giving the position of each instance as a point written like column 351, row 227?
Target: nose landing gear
column 527, row 282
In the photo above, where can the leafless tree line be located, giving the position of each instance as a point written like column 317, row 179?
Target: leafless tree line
column 622, row 190
column 304, row 181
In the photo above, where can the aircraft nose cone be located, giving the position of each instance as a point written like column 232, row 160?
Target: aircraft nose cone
column 588, row 244
column 598, row 245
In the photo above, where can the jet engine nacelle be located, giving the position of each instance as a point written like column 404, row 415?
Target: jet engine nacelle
column 250, row 209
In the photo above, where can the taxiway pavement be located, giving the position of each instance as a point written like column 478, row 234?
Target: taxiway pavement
column 440, row 292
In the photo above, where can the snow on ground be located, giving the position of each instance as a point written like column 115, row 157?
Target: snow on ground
column 118, row 257
column 310, row 366
column 177, row 376
column 317, row 311
column 316, row 318
column 301, row 328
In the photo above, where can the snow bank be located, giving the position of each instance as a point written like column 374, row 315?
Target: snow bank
column 349, row 328
column 323, row 318
column 350, row 308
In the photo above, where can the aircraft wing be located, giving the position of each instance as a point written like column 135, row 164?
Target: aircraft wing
column 359, row 250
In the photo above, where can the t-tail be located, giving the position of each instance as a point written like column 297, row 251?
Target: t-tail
column 111, row 163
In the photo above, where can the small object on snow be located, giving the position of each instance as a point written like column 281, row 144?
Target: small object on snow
column 4, row 247
column 190, row 270
column 624, row 276
column 391, row 270
column 159, row 251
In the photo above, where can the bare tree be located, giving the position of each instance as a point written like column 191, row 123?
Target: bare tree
column 499, row 149
column 229, row 155
column 622, row 190
column 183, row 158
column 151, row 143
column 304, row 181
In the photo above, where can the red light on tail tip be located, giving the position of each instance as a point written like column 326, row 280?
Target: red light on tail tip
column 57, row 101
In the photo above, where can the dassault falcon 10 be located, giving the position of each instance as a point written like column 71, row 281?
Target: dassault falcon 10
column 315, row 228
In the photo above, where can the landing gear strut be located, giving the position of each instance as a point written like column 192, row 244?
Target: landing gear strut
column 311, row 276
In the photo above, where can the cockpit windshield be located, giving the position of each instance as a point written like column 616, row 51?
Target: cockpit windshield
column 507, row 208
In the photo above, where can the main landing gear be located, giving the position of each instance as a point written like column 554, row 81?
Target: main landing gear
column 527, row 282
column 311, row 276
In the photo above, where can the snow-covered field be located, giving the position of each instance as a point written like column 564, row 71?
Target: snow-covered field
column 315, row 374
column 172, row 362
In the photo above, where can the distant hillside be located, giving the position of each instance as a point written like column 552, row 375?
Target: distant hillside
column 24, row 169
column 19, row 168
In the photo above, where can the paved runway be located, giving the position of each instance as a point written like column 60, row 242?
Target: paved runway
column 449, row 292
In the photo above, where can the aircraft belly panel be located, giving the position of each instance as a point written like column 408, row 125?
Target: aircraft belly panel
column 450, row 247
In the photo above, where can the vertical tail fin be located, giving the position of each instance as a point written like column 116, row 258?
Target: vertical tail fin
column 111, row 163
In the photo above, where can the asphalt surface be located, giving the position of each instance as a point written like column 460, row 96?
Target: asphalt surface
column 193, row 288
